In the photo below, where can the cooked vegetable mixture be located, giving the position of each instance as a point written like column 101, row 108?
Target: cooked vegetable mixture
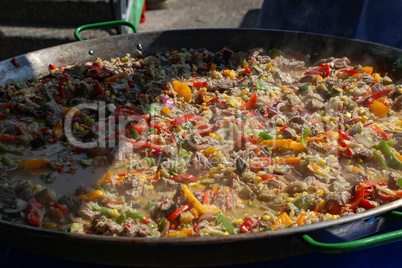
column 190, row 142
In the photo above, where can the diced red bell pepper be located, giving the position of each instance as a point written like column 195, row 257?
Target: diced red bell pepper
column 383, row 134
column 380, row 94
column 208, row 195
column 251, row 102
column 9, row 138
column 325, row 70
column 159, row 127
column 369, row 188
column 62, row 208
column 113, row 202
column 179, row 211
column 6, row 105
column 200, row 84
column 247, row 69
column 52, row 67
column 260, row 162
column 364, row 203
column 357, row 197
column 248, row 224
column 346, row 152
column 139, row 144
column 98, row 89
column 62, row 91
column 387, row 197
column 344, row 135
column 138, row 127
column 33, row 218
column 184, row 119
column 185, row 178
column 351, row 72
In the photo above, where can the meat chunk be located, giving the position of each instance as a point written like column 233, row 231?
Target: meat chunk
column 297, row 123
column 134, row 228
column 166, row 185
column 313, row 105
column 163, row 210
column 340, row 197
column 52, row 120
column 133, row 187
column 363, row 153
column 70, row 201
column 289, row 133
column 397, row 104
column 221, row 85
column 356, row 178
column 254, row 53
column 85, row 211
column 105, row 226
column 7, row 196
column 288, row 64
column 10, row 127
column 219, row 200
column 341, row 63
column 393, row 181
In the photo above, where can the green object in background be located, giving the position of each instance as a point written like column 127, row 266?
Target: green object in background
column 101, row 25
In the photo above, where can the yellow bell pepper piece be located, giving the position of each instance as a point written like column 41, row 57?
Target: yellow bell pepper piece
column 379, row 109
column 115, row 77
column 356, row 170
column 33, row 163
column 58, row 130
column 282, row 221
column 288, row 144
column 91, row 196
column 197, row 204
column 209, row 151
column 297, row 146
column 277, row 143
column 165, row 111
column 229, row 73
column 71, row 112
column 182, row 90
column 368, row 70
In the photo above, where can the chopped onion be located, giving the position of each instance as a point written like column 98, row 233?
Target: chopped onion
column 259, row 116
column 362, row 141
column 169, row 102
column 270, row 108
column 156, row 153
column 313, row 72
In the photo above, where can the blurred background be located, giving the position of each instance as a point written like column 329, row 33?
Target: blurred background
column 29, row 25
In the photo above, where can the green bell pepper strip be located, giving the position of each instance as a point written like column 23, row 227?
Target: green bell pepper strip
column 381, row 159
column 391, row 142
column 224, row 223
column 8, row 150
column 390, row 156
column 251, row 205
column 265, row 136
column 306, row 133
column 134, row 215
column 7, row 161
column 163, row 224
column 104, row 211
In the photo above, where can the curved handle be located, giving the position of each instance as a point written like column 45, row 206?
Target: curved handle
column 101, row 25
column 357, row 244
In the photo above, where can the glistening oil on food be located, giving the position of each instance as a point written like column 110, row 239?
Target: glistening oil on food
column 191, row 143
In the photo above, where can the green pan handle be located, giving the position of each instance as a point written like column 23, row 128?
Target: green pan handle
column 101, row 25
column 357, row 244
